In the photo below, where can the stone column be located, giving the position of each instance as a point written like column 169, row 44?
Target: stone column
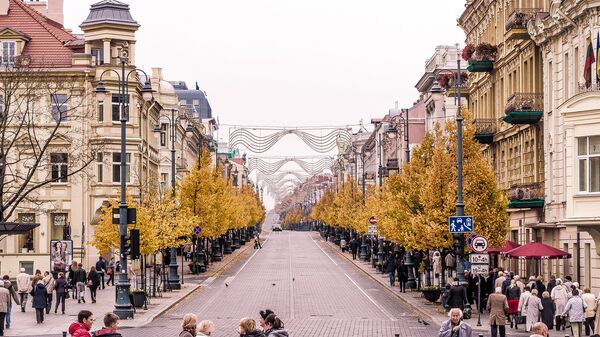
column 132, row 53
column 107, row 56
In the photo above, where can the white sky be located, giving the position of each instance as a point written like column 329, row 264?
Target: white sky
column 284, row 62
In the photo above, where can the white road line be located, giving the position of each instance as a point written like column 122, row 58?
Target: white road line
column 332, row 260
column 370, row 299
column 246, row 263
column 291, row 277
column 208, row 281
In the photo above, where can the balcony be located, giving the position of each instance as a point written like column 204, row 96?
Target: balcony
column 463, row 89
column 516, row 23
column 526, row 196
column 524, row 108
column 485, row 129
column 481, row 58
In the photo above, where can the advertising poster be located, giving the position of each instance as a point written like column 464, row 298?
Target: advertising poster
column 61, row 255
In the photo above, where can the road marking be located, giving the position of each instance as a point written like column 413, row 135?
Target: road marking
column 370, row 299
column 332, row 260
column 208, row 281
column 291, row 277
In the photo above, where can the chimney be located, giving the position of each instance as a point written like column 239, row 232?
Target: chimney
column 39, row 6
column 4, row 7
column 55, row 11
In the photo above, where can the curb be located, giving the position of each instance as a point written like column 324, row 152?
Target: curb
column 195, row 289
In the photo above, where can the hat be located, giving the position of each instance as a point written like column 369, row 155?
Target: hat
column 22, row 270
column 576, row 284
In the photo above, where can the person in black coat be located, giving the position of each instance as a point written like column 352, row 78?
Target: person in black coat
column 549, row 311
column 354, row 248
column 61, row 292
column 457, row 295
column 551, row 284
column 40, row 299
column 402, row 274
column 390, row 268
column 93, row 282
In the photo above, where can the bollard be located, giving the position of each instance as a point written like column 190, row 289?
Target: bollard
column 480, row 335
column 64, row 334
column 396, row 335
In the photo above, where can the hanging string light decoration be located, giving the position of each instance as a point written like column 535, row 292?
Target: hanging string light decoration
column 246, row 137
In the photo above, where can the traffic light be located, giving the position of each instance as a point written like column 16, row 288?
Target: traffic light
column 132, row 244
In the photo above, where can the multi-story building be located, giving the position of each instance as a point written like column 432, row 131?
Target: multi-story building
column 572, row 136
column 68, row 205
column 505, row 86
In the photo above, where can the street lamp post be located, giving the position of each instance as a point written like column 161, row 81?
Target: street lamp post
column 459, row 239
column 123, row 307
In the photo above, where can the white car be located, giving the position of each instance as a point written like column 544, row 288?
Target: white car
column 276, row 228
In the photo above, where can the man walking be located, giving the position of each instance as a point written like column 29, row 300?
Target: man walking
column 49, row 284
column 354, row 248
column 390, row 267
column 457, row 296
column 80, row 278
column 4, row 305
column 111, row 271
column 497, row 305
column 101, row 270
column 23, row 287
column 8, row 285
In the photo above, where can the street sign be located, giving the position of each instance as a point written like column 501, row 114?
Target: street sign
column 197, row 230
column 480, row 269
column 372, row 230
column 460, row 224
column 479, row 258
column 372, row 220
column 479, row 244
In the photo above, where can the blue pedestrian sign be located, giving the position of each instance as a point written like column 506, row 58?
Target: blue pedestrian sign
column 197, row 230
column 460, row 224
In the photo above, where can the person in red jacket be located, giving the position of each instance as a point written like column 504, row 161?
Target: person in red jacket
column 81, row 328
column 110, row 326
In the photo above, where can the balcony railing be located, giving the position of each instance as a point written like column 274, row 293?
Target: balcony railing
column 519, row 18
column 485, row 129
column 526, row 196
column 524, row 108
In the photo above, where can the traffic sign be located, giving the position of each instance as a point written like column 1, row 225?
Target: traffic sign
column 479, row 258
column 372, row 230
column 460, row 224
column 197, row 230
column 479, row 244
column 372, row 220
column 480, row 269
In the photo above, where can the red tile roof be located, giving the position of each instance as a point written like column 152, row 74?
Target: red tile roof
column 238, row 161
column 48, row 38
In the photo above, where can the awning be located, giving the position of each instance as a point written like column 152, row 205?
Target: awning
column 508, row 246
column 537, row 250
column 13, row 228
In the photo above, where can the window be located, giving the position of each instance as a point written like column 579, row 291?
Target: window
column 100, row 111
column 98, row 56
column 164, row 178
column 566, row 77
column 25, row 241
column 59, row 107
column 163, row 134
column 116, row 108
column 27, row 265
column 116, row 167
column 588, row 159
column 59, row 162
column 59, row 223
column 8, row 54
column 1, row 106
column 99, row 161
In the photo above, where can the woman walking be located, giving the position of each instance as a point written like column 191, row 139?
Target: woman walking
column 60, row 286
column 549, row 310
column 513, row 294
column 560, row 296
column 40, row 300
column 575, row 310
column 533, row 306
column 274, row 327
column 93, row 281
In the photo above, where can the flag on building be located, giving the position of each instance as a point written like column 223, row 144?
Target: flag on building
column 589, row 60
column 597, row 56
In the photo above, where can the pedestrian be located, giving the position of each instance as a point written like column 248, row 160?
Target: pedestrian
column 551, row 284
column 549, row 310
column 111, row 322
column 390, row 267
column 49, row 284
column 188, row 325
column 539, row 330
column 457, row 295
column 205, row 328
column 402, row 276
column 597, row 319
column 354, row 248
column 101, row 270
column 15, row 297
column 248, row 328
column 4, row 306
column 263, row 316
column 499, row 280
column 513, row 294
column 23, row 287
column 81, row 328
column 80, row 279
column 40, row 299
column 533, row 307
column 539, row 284
column 93, row 281
column 522, row 300
column 575, row 309
column 71, row 279
column 437, row 266
column 560, row 296
column 455, row 327
column 257, row 244
column 531, row 284
column 61, row 292
column 111, row 271
column 36, row 277
column 497, row 305
column 590, row 311
column 507, row 282
column 519, row 283
column 274, row 327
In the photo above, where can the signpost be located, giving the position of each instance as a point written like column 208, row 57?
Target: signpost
column 460, row 224
column 372, row 220
column 480, row 265
column 372, row 230
column 479, row 244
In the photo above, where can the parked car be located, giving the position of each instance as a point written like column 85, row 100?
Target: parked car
column 277, row 228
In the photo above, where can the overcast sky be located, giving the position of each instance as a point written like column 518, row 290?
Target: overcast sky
column 284, row 62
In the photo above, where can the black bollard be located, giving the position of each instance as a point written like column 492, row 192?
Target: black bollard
column 396, row 335
column 64, row 334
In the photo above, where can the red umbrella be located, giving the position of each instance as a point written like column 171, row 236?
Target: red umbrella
column 537, row 250
column 508, row 246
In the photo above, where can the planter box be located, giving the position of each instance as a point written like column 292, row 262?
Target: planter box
column 480, row 66
column 523, row 117
column 139, row 297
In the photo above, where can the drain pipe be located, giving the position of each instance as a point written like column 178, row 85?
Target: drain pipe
column 578, row 261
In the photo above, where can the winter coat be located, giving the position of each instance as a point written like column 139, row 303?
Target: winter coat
column 186, row 333
column 513, row 293
column 59, row 285
column 446, row 329
column 255, row 333
column 457, row 296
column 497, row 306
column 437, row 263
column 276, row 333
column 533, row 307
column 23, row 283
column 551, row 285
column 560, row 296
column 94, row 277
column 101, row 266
column 79, row 276
column 77, row 329
column 522, row 301
column 539, row 285
column 4, row 299
column 107, row 332
column 575, row 309
column 8, row 285
column 548, row 312
column 505, row 285
column 49, row 283
column 390, row 266
column 40, row 296
column 590, row 303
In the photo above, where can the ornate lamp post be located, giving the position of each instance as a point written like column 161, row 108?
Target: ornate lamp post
column 123, row 307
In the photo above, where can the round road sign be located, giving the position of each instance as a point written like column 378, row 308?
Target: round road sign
column 479, row 244
column 372, row 220
column 197, row 230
